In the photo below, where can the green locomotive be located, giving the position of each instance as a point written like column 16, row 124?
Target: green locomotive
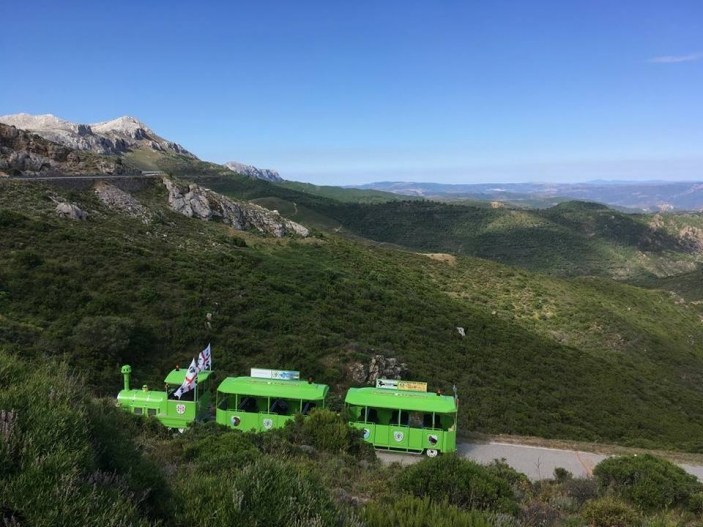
column 164, row 405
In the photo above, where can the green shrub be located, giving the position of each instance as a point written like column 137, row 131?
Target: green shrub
column 695, row 503
column 409, row 511
column 539, row 514
column 647, row 481
column 518, row 481
column 460, row 482
column 609, row 512
column 580, row 489
column 214, row 448
column 326, row 431
column 269, row 491
column 66, row 460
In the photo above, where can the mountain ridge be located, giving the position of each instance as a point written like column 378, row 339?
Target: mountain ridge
column 113, row 137
column 641, row 196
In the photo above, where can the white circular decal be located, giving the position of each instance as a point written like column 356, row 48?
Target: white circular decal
column 367, row 433
column 236, row 420
column 181, row 408
column 268, row 423
column 398, row 436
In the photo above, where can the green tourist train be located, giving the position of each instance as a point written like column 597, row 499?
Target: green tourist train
column 395, row 415
column 165, row 406
column 267, row 399
column 403, row 416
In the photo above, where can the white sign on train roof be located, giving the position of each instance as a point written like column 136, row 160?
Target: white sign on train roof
column 281, row 375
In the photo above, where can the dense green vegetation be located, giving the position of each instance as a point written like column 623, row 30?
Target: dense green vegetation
column 582, row 358
column 344, row 195
column 569, row 239
column 539, row 353
column 67, row 459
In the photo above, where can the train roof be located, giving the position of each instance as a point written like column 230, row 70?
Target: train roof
column 401, row 400
column 177, row 377
column 259, row 387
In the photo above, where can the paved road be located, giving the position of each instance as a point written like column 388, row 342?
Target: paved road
column 97, row 176
column 535, row 462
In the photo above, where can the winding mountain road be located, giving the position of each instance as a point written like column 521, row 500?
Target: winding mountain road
column 535, row 462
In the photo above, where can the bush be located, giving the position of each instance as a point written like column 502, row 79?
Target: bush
column 647, row 482
column 214, row 448
column 539, row 514
column 460, row 482
column 415, row 512
column 269, row 492
column 326, row 431
column 66, row 460
column 580, row 489
column 609, row 512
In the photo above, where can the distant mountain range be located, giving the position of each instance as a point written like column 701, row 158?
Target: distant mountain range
column 633, row 195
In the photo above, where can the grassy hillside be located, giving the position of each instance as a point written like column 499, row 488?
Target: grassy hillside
column 582, row 359
column 344, row 195
column 569, row 239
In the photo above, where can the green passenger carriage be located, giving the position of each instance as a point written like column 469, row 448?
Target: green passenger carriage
column 266, row 400
column 170, row 410
column 404, row 418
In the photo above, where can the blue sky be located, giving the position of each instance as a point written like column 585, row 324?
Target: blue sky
column 338, row 92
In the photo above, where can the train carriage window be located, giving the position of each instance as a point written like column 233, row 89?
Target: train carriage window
column 415, row 419
column 371, row 415
column 248, row 404
column 138, row 411
column 428, row 421
column 446, row 421
column 226, row 402
column 384, row 416
column 151, row 411
column 403, row 418
column 280, row 406
column 309, row 405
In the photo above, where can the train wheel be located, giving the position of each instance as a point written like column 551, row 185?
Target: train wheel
column 181, row 430
column 431, row 452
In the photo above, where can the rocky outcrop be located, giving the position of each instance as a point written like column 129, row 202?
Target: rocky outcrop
column 195, row 201
column 691, row 238
column 26, row 154
column 379, row 367
column 253, row 172
column 113, row 137
column 118, row 199
column 71, row 211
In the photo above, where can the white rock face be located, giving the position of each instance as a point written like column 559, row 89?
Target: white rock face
column 251, row 171
column 122, row 201
column 195, row 201
column 69, row 210
column 109, row 137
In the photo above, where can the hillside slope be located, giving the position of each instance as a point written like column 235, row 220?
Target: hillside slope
column 570, row 239
column 580, row 359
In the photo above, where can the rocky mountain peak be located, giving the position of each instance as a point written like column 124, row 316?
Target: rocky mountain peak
column 253, row 172
column 47, row 121
column 125, row 124
column 113, row 137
